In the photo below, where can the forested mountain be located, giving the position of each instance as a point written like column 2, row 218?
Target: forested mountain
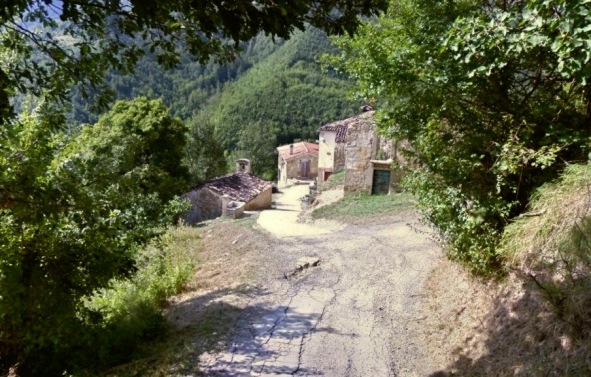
column 282, row 98
column 274, row 93
column 186, row 88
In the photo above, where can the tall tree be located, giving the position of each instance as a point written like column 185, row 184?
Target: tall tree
column 73, row 213
column 494, row 98
column 204, row 154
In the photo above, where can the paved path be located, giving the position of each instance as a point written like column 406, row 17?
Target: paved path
column 356, row 314
column 283, row 220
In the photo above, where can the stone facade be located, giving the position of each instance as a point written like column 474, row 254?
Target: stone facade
column 369, row 158
column 205, row 205
column 297, row 161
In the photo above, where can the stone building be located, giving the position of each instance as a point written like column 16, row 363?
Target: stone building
column 332, row 139
column 297, row 161
column 230, row 195
column 369, row 158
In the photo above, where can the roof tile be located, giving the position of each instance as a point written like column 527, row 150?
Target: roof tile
column 240, row 187
column 299, row 149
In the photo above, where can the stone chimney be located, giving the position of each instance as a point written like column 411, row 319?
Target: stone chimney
column 290, row 149
column 243, row 166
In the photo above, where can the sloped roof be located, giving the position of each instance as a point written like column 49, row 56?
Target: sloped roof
column 241, row 187
column 341, row 126
column 299, row 149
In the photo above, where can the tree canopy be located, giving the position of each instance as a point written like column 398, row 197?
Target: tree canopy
column 493, row 96
column 73, row 213
column 92, row 36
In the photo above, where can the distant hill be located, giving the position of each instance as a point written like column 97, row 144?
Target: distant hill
column 274, row 93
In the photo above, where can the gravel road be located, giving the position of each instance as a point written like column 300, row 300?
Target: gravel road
column 357, row 313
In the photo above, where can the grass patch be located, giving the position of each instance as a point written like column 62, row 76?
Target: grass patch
column 552, row 247
column 363, row 206
column 336, row 180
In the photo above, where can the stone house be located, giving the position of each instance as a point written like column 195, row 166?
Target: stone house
column 370, row 158
column 297, row 161
column 229, row 195
column 332, row 140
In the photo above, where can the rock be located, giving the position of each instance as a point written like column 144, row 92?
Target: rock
column 302, row 264
column 307, row 262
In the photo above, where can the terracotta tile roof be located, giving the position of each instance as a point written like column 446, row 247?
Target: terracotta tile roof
column 341, row 126
column 299, row 149
column 240, row 187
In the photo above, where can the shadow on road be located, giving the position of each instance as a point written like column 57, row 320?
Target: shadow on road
column 226, row 340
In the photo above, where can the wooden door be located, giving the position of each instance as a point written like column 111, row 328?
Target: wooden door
column 305, row 169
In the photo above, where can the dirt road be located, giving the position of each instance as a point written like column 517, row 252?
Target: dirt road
column 355, row 314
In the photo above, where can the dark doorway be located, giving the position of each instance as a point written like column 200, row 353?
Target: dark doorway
column 381, row 182
column 305, row 169
column 326, row 175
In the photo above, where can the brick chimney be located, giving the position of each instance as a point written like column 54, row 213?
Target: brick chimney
column 290, row 149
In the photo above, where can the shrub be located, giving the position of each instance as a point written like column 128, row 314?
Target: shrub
column 74, row 212
column 131, row 309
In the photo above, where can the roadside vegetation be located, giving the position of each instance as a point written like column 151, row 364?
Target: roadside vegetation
column 199, row 319
column 133, row 310
column 552, row 247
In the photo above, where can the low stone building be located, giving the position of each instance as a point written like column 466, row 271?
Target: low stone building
column 332, row 140
column 297, row 161
column 230, row 195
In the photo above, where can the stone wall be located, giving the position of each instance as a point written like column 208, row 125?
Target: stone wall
column 234, row 209
column 326, row 146
column 339, row 156
column 263, row 201
column 331, row 155
column 360, row 149
column 205, row 205
column 293, row 167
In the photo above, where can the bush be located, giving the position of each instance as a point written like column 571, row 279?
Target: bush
column 469, row 227
column 74, row 213
column 131, row 309
column 552, row 245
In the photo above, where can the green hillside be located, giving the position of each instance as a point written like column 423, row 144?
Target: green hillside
column 273, row 94
column 284, row 97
